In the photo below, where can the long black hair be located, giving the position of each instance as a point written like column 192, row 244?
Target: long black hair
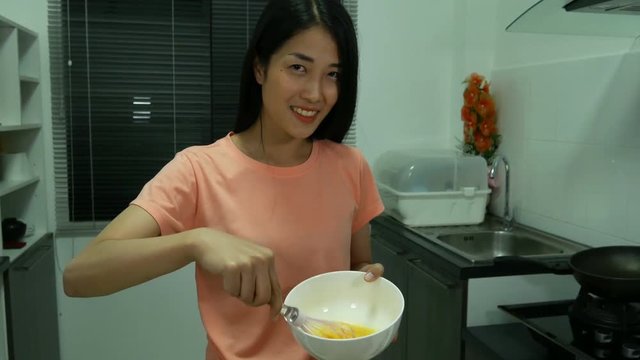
column 282, row 19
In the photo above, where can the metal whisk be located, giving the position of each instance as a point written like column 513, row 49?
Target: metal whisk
column 317, row 327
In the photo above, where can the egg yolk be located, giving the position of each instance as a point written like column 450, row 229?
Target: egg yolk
column 342, row 330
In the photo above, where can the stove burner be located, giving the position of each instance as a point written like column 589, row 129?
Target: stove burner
column 596, row 311
column 609, row 328
column 631, row 351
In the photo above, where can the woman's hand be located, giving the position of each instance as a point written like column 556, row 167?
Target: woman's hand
column 373, row 271
column 248, row 269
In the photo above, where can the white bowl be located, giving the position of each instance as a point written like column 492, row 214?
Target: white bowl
column 346, row 296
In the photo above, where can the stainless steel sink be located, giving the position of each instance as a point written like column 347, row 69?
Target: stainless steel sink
column 485, row 245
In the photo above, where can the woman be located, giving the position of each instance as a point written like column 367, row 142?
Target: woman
column 275, row 202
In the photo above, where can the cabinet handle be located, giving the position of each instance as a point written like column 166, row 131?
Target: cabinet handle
column 430, row 273
column 33, row 259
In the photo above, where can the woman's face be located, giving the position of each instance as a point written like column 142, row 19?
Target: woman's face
column 300, row 85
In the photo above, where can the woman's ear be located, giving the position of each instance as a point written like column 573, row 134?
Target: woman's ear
column 258, row 71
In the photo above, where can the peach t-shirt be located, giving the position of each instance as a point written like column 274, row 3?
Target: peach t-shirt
column 305, row 214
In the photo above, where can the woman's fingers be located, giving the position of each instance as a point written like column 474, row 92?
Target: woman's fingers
column 373, row 271
column 276, row 293
column 247, row 269
column 232, row 281
column 262, row 284
column 248, row 286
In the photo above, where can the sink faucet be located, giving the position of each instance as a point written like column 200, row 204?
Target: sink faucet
column 506, row 217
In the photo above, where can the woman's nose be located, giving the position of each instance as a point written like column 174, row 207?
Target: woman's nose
column 312, row 90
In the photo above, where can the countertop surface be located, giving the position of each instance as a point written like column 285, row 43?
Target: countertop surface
column 448, row 262
column 503, row 342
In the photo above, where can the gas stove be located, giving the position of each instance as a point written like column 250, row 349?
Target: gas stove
column 585, row 328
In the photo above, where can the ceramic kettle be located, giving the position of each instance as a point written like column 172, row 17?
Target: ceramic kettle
column 13, row 229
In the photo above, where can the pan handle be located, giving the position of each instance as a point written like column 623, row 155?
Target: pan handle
column 559, row 268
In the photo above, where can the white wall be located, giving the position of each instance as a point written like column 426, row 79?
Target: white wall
column 414, row 57
column 568, row 108
column 157, row 320
column 406, row 57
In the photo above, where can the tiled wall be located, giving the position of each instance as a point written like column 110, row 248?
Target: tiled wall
column 572, row 132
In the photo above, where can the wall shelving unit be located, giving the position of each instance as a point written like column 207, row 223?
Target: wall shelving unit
column 22, row 189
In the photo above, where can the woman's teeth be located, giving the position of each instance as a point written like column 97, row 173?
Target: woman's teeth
column 307, row 113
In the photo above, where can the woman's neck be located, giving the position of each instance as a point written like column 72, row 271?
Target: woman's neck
column 263, row 146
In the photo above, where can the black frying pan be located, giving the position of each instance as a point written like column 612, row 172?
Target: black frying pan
column 610, row 272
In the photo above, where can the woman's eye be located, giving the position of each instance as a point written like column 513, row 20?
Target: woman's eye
column 334, row 75
column 297, row 68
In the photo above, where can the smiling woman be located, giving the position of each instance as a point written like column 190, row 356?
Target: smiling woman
column 274, row 202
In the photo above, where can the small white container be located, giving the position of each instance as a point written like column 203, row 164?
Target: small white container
column 15, row 167
column 433, row 187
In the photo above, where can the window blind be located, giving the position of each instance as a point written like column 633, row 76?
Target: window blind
column 133, row 82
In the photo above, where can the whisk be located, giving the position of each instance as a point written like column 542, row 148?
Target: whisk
column 323, row 328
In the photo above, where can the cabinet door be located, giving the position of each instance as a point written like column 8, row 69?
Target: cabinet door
column 434, row 319
column 395, row 270
column 33, row 312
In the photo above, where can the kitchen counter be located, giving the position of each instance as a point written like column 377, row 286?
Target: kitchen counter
column 434, row 281
column 445, row 261
column 502, row 342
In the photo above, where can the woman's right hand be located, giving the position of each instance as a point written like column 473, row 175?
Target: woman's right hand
column 248, row 269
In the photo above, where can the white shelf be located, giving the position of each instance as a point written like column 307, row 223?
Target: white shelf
column 9, row 128
column 22, row 156
column 9, row 186
column 13, row 254
column 29, row 79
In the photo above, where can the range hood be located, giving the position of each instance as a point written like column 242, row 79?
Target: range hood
column 628, row 7
column 617, row 18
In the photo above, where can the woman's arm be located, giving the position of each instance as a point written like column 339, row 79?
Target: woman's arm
column 127, row 252
column 130, row 251
column 361, row 254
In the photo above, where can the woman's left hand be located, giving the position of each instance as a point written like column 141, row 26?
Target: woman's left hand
column 373, row 271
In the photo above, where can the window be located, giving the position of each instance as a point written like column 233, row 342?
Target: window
column 133, row 82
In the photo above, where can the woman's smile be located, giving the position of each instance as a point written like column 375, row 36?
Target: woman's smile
column 307, row 116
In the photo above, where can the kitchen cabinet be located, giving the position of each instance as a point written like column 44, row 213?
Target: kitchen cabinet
column 32, row 311
column 435, row 315
column 395, row 270
column 433, row 319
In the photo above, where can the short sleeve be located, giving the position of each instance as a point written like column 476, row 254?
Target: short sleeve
column 170, row 196
column 369, row 202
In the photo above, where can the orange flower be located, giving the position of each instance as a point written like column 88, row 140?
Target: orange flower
column 468, row 133
column 485, row 105
column 469, row 116
column 482, row 143
column 471, row 95
column 479, row 118
column 475, row 80
column 488, row 127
